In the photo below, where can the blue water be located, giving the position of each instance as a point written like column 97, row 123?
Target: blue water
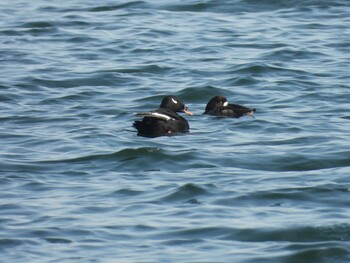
column 78, row 185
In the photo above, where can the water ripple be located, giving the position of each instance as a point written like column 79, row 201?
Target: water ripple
column 78, row 184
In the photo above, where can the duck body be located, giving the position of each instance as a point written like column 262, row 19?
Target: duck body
column 219, row 106
column 165, row 120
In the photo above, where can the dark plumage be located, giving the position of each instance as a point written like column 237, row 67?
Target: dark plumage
column 165, row 120
column 219, row 106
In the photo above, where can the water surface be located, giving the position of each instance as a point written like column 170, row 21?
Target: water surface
column 78, row 185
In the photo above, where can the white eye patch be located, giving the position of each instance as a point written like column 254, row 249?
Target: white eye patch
column 225, row 103
column 174, row 100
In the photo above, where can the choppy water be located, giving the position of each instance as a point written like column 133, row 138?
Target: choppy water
column 78, row 185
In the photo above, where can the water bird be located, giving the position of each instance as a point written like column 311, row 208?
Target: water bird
column 219, row 106
column 165, row 120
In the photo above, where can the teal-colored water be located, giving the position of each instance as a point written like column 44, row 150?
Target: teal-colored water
column 78, row 185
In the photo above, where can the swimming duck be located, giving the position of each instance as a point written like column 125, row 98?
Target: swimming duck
column 219, row 106
column 165, row 120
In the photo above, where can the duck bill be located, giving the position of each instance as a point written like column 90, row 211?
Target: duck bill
column 186, row 111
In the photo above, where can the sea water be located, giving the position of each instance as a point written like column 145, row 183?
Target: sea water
column 78, row 185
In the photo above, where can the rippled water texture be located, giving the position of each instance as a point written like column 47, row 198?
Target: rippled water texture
column 78, row 185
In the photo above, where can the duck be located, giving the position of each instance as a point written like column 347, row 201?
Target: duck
column 219, row 106
column 165, row 120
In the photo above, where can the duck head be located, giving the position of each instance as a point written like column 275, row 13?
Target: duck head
column 174, row 104
column 216, row 102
